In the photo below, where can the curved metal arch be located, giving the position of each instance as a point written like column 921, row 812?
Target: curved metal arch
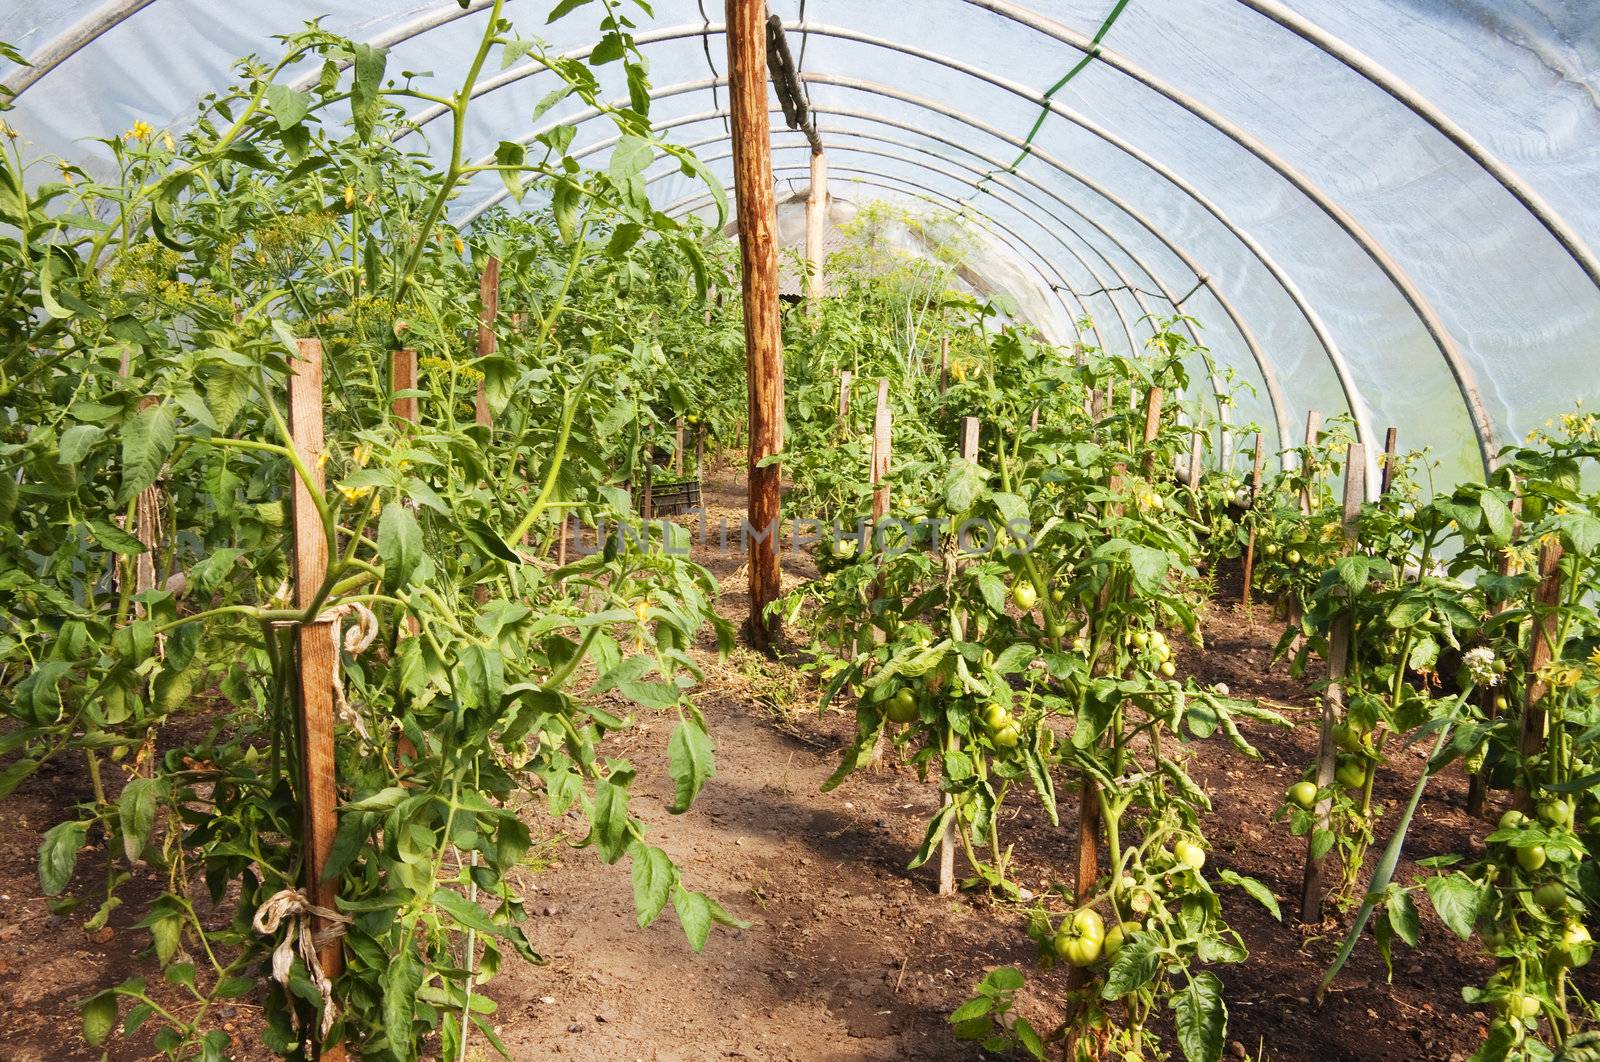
column 1423, row 107
column 1262, row 362
column 1466, row 380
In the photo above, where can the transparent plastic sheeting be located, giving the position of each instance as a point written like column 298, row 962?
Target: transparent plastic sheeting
column 1142, row 186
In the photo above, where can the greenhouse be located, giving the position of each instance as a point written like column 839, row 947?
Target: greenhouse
column 800, row 529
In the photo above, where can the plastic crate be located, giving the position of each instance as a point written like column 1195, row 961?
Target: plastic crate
column 673, row 498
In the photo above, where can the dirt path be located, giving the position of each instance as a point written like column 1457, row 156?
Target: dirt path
column 848, row 955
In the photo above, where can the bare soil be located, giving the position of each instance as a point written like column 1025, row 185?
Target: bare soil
column 848, row 954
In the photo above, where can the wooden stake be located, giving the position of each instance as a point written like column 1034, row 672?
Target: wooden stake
column 488, row 311
column 1541, row 650
column 1313, row 425
column 1152, row 427
column 878, row 474
column 758, row 220
column 700, row 452
column 1355, row 492
column 844, row 399
column 944, row 359
column 1391, row 440
column 677, row 451
column 316, row 658
column 1250, row 544
column 969, row 438
column 1197, row 449
column 816, row 228
column 403, row 377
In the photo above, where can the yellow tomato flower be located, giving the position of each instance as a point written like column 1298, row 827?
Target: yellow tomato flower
column 349, row 196
column 141, row 131
column 168, row 143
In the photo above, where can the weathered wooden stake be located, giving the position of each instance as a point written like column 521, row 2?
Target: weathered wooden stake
column 878, row 473
column 677, row 451
column 1541, row 650
column 758, row 220
column 1250, row 544
column 1355, row 492
column 816, row 228
column 844, row 400
column 488, row 311
column 316, row 658
column 1152, row 427
column 1197, row 449
column 1313, row 425
column 944, row 360
column 947, row 841
column 1391, row 440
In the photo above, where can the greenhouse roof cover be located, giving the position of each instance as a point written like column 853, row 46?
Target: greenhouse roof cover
column 1381, row 207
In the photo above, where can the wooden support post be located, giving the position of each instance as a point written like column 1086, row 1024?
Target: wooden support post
column 1313, row 426
column 1355, row 492
column 403, row 377
column 969, row 438
column 677, row 451
column 1197, row 449
column 1152, row 427
column 944, row 360
column 316, row 653
column 1033, row 419
column 1391, row 440
column 879, row 471
column 147, row 529
column 758, row 221
column 700, row 452
column 844, row 400
column 816, row 229
column 1250, row 544
column 488, row 311
column 1478, row 783
column 1542, row 649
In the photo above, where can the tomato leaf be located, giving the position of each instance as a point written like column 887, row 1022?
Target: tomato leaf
column 1458, row 901
column 1201, row 1018
column 99, row 1017
column 147, row 441
column 653, row 879
column 1255, row 889
column 58, row 855
column 399, row 544
column 690, row 761
column 136, row 814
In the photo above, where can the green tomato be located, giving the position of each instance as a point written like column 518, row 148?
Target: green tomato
column 1168, row 668
column 1080, row 939
column 1293, row 556
column 1008, row 736
column 1080, row 645
column 1576, row 944
column 1089, row 924
column 1116, row 935
column 1058, row 595
column 995, row 716
column 1550, row 895
column 1271, row 550
column 843, row 548
column 902, row 706
column 1140, row 639
column 1352, row 773
column 1555, row 812
column 1501, row 704
column 1349, row 738
column 1024, row 596
column 1512, row 819
column 1531, row 858
column 1303, row 794
column 1522, row 1005
column 1190, row 854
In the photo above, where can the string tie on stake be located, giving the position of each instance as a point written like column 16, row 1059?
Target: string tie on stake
column 292, row 906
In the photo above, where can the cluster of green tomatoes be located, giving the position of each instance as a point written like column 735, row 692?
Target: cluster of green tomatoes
column 1082, row 939
column 1005, row 732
